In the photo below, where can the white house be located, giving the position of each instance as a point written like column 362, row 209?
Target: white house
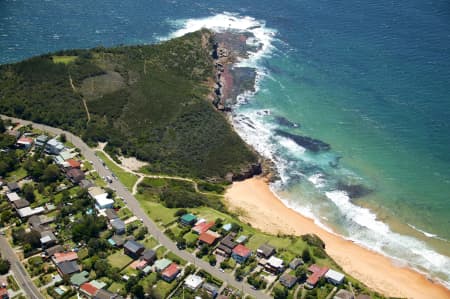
column 12, row 196
column 193, row 282
column 103, row 202
column 334, row 277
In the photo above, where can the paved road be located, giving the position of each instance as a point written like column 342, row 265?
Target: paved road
column 20, row 274
column 135, row 207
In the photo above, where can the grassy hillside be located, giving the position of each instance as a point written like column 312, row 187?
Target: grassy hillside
column 145, row 101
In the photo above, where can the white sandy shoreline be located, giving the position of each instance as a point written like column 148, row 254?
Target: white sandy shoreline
column 264, row 210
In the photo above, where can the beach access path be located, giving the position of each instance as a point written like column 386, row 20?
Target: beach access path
column 135, row 207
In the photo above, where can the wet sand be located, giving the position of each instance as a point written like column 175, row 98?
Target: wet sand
column 265, row 211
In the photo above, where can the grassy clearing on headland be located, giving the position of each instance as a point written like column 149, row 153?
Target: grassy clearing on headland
column 64, row 59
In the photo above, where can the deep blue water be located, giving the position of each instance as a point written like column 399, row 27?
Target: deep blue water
column 372, row 78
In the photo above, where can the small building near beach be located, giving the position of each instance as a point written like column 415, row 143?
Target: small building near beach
column 265, row 251
column 241, row 253
column 335, row 277
column 188, row 219
column 317, row 272
column 288, row 280
column 170, row 272
column 344, row 294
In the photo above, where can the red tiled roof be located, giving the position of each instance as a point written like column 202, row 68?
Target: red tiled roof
column 3, row 291
column 171, row 271
column 89, row 288
column 73, row 163
column 241, row 250
column 64, row 256
column 25, row 140
column 317, row 273
column 208, row 237
column 203, row 227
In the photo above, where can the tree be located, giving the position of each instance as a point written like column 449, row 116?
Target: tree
column 300, row 273
column 87, row 228
column 33, row 238
column 62, row 138
column 138, row 291
column 280, row 293
column 212, row 260
column 51, row 174
column 180, row 212
column 306, row 255
column 239, row 273
column 2, row 126
column 141, row 232
column 28, row 191
column 101, row 267
column 4, row 266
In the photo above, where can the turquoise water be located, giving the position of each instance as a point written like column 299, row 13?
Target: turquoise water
column 370, row 78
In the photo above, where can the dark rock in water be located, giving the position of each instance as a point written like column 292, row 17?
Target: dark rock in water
column 354, row 191
column 309, row 143
column 283, row 121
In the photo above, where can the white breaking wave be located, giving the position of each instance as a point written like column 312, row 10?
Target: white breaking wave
column 429, row 235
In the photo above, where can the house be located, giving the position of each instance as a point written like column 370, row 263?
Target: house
column 147, row 270
column 40, row 223
column 188, row 219
column 363, row 296
column 334, row 277
column 40, row 140
column 193, row 282
column 67, row 268
column 86, row 184
column 103, row 202
column 227, row 227
column 317, row 272
column 94, row 191
column 170, row 272
column 344, row 294
column 242, row 239
column 133, row 249
column 210, row 289
column 67, row 154
column 88, row 290
column 13, row 187
column 27, row 211
column 104, row 294
column 274, row 265
column 4, row 293
column 209, row 238
column 138, row 264
column 48, row 239
column 75, row 175
column 79, row 278
column 25, row 142
column 117, row 241
column 162, row 264
column 12, row 196
column 203, row 227
column 149, row 256
column 226, row 245
column 288, row 280
column 72, row 163
column 54, row 249
column 98, row 284
column 118, row 226
column 295, row 263
column 60, row 257
column 265, row 251
column 241, row 253
column 53, row 147
column 21, row 203
column 111, row 214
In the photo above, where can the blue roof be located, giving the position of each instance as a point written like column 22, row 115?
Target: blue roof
column 227, row 227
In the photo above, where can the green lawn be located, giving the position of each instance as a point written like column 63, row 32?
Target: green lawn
column 160, row 252
column 150, row 243
column 128, row 179
column 116, row 287
column 124, row 213
column 64, row 59
column 161, row 215
column 119, row 260
column 16, row 175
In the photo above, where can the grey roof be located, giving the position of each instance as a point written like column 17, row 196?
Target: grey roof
column 118, row 240
column 68, row 267
column 133, row 246
column 266, row 249
column 210, row 287
column 21, row 203
column 104, row 294
column 111, row 214
column 224, row 248
column 52, row 250
column 288, row 280
column 228, row 241
column 343, row 294
column 86, row 184
column 148, row 255
column 13, row 186
column 117, row 224
column 295, row 263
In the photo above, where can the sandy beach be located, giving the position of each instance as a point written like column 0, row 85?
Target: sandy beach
column 266, row 212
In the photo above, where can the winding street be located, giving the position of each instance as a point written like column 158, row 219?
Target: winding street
column 135, row 207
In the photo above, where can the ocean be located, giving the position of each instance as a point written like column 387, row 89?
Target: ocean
column 369, row 78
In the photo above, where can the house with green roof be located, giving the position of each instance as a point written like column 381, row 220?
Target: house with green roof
column 161, row 265
column 188, row 219
column 79, row 278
